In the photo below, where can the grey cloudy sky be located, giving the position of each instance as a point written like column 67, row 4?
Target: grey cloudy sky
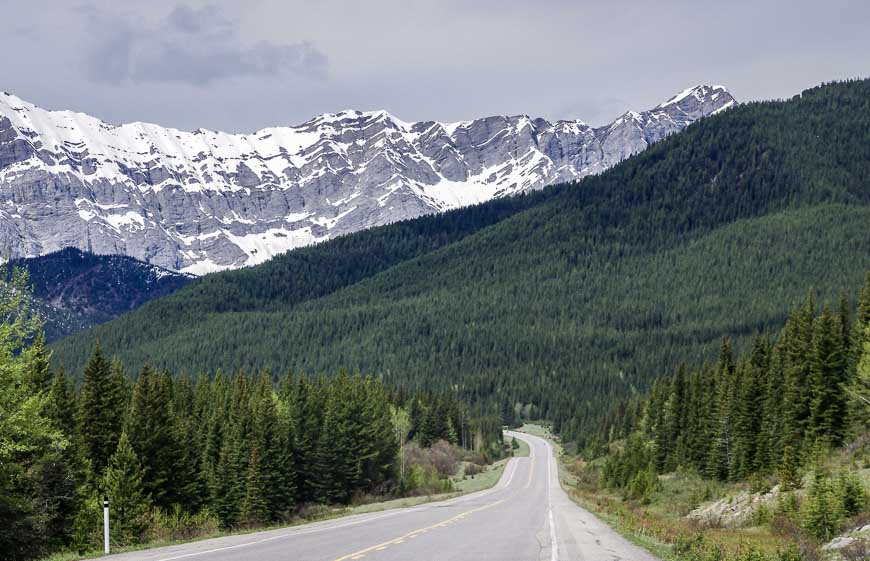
column 242, row 65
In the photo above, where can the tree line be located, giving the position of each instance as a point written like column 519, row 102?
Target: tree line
column 563, row 301
column 769, row 411
column 241, row 450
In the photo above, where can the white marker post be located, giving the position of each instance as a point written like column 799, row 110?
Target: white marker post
column 106, row 523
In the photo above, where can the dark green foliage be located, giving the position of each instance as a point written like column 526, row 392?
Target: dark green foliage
column 254, row 509
column 852, row 494
column 823, row 512
column 39, row 366
column 129, row 500
column 780, row 406
column 75, row 289
column 231, row 450
column 828, row 380
column 789, row 475
column 152, row 432
column 102, row 405
column 568, row 299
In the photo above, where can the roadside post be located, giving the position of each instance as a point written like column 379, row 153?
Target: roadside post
column 106, row 523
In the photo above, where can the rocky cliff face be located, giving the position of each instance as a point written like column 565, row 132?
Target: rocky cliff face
column 202, row 201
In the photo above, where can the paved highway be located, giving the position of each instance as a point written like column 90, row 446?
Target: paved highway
column 525, row 517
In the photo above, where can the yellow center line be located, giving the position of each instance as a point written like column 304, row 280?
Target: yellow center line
column 531, row 470
column 414, row 533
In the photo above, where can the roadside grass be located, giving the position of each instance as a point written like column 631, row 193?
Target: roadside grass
column 462, row 485
column 523, row 451
column 659, row 524
column 539, row 428
column 465, row 484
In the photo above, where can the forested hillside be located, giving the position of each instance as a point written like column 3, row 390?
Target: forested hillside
column 779, row 434
column 76, row 289
column 768, row 410
column 562, row 300
column 181, row 457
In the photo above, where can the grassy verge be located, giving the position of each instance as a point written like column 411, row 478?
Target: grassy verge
column 659, row 522
column 523, row 449
column 462, row 485
column 654, row 530
column 480, row 481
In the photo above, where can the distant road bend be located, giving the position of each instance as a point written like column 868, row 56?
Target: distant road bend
column 525, row 517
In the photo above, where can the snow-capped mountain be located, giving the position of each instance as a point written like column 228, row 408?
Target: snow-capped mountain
column 202, row 201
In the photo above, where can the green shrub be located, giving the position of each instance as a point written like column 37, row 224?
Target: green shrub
column 852, row 494
column 823, row 512
column 642, row 485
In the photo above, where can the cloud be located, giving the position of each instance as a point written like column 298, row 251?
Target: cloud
column 196, row 46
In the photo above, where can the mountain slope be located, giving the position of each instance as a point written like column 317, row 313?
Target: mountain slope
column 76, row 290
column 578, row 294
column 202, row 201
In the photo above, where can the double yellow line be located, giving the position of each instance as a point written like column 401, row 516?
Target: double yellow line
column 414, row 533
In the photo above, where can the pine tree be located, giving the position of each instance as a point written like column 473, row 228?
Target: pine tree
column 749, row 409
column 828, row 404
column 797, row 343
column 770, row 444
column 851, row 493
column 306, row 410
column 39, row 365
column 859, row 388
column 226, row 488
column 788, row 470
column 129, row 503
column 57, row 474
column 822, row 512
column 101, row 410
column 189, row 434
column 254, row 509
column 151, row 430
column 859, row 334
column 670, row 438
column 721, row 459
column 271, row 438
column 335, row 461
column 62, row 406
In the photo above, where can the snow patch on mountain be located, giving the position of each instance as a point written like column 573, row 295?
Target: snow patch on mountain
column 200, row 201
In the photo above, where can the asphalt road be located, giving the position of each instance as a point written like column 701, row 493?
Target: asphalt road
column 525, row 517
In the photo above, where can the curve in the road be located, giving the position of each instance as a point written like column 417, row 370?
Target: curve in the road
column 526, row 516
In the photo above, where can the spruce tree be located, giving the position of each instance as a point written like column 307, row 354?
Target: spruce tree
column 749, row 409
column 227, row 485
column 670, row 437
column 828, row 403
column 129, row 503
column 721, row 459
column 102, row 404
column 822, row 512
column 254, row 510
column 62, row 406
column 271, row 439
column 789, row 476
column 152, row 432
column 797, row 343
column 306, row 410
column 859, row 388
column 57, row 474
column 39, row 365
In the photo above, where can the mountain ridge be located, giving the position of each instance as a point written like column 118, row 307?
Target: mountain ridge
column 562, row 299
column 204, row 200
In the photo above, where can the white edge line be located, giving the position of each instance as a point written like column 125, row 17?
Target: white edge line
column 512, row 464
